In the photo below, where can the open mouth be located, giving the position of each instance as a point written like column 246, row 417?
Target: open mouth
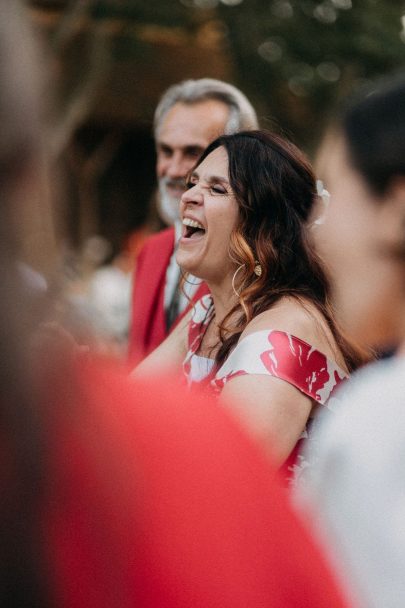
column 192, row 229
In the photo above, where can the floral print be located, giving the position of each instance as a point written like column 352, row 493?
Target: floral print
column 271, row 352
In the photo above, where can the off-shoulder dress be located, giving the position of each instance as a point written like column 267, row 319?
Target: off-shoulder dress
column 271, row 352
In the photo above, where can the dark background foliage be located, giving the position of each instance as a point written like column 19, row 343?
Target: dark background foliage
column 294, row 58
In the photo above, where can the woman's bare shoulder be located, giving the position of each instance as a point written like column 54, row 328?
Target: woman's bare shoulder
column 298, row 318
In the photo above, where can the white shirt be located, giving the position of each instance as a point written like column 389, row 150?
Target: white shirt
column 355, row 493
column 110, row 297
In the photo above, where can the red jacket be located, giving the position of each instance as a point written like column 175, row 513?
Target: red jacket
column 148, row 322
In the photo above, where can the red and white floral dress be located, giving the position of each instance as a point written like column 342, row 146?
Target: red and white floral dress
column 271, row 352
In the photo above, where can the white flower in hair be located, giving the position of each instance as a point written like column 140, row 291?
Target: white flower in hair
column 324, row 195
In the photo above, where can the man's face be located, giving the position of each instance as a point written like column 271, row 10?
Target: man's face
column 185, row 132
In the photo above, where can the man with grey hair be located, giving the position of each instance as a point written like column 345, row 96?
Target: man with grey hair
column 188, row 117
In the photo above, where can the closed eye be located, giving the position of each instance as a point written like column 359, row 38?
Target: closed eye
column 218, row 189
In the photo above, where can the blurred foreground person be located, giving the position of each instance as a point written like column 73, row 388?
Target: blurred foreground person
column 114, row 494
column 189, row 115
column 356, row 493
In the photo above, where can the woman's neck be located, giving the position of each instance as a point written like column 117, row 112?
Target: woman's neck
column 224, row 299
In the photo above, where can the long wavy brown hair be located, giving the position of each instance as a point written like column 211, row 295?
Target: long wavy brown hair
column 275, row 188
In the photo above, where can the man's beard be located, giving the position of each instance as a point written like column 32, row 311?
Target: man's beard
column 168, row 206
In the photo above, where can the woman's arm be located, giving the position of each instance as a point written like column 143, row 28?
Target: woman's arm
column 274, row 411
column 168, row 357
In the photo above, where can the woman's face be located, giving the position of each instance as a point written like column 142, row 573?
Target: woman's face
column 355, row 240
column 209, row 212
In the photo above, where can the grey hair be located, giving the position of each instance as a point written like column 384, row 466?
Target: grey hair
column 242, row 115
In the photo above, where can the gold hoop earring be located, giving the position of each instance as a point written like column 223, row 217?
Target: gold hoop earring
column 237, row 294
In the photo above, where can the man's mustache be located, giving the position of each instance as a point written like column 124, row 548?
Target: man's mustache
column 174, row 183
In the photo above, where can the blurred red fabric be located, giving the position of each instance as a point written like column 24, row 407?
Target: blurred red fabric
column 155, row 501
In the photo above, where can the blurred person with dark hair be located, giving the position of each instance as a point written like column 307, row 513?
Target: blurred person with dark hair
column 265, row 338
column 114, row 494
column 355, row 494
column 188, row 117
